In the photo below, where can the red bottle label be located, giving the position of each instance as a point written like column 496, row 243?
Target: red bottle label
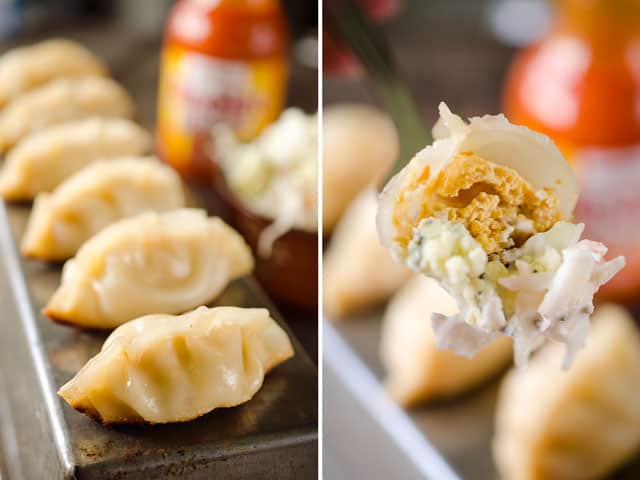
column 609, row 204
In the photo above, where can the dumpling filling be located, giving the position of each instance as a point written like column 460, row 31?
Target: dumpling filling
column 495, row 205
column 500, row 246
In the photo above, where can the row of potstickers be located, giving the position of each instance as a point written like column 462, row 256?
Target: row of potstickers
column 135, row 256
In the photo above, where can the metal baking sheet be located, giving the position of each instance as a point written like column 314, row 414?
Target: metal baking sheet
column 274, row 435
column 448, row 440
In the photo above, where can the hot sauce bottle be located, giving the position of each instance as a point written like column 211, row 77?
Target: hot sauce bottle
column 580, row 85
column 223, row 61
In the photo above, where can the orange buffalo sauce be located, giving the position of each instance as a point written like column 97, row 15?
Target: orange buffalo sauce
column 581, row 86
column 223, row 61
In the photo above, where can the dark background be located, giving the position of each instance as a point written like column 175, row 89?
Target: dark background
column 452, row 50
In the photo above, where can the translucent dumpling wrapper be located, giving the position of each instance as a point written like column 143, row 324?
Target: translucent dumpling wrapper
column 44, row 159
column 485, row 210
column 359, row 145
column 62, row 100
column 154, row 262
column 165, row 368
column 358, row 274
column 25, row 68
column 95, row 197
column 578, row 424
column 417, row 370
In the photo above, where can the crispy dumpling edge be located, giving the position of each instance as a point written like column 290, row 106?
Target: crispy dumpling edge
column 66, row 317
column 28, row 247
column 90, row 411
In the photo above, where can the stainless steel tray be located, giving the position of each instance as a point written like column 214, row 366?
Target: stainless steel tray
column 274, row 435
column 365, row 432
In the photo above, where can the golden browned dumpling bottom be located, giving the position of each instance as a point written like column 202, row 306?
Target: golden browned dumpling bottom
column 496, row 205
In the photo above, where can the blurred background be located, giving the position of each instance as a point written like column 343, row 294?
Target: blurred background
column 567, row 68
column 139, row 26
column 456, row 50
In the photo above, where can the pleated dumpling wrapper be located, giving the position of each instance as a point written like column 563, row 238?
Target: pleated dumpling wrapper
column 486, row 210
column 577, row 424
column 44, row 159
column 359, row 145
column 417, row 370
column 62, row 100
column 152, row 263
column 94, row 198
column 24, row 68
column 165, row 368
column 358, row 273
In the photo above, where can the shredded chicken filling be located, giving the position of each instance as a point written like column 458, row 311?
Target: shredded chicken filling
column 496, row 205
